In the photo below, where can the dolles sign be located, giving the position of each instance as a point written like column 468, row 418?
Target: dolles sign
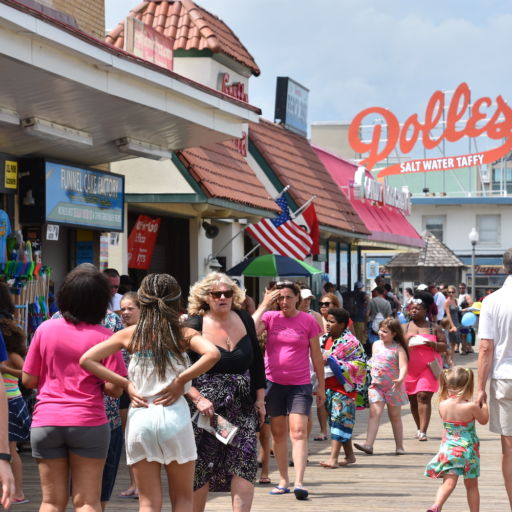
column 462, row 120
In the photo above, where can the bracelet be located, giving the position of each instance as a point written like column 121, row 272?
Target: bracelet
column 197, row 400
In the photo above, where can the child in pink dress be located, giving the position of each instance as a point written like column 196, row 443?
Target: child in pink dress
column 388, row 370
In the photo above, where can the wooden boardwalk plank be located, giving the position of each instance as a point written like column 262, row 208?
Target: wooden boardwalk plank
column 382, row 482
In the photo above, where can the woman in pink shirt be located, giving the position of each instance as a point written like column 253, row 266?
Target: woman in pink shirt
column 70, row 433
column 292, row 337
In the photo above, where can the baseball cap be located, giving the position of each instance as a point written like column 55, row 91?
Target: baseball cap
column 305, row 293
column 358, row 285
column 422, row 287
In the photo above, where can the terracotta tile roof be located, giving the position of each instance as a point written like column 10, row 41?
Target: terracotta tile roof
column 433, row 254
column 295, row 163
column 222, row 172
column 190, row 27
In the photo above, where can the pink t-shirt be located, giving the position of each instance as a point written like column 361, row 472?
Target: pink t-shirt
column 67, row 394
column 287, row 349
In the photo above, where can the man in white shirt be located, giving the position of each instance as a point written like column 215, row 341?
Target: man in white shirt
column 439, row 299
column 495, row 360
column 114, row 280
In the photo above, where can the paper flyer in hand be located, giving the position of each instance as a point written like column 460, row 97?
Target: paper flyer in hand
column 217, row 425
column 417, row 340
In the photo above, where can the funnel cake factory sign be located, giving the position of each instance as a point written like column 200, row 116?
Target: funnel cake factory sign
column 483, row 117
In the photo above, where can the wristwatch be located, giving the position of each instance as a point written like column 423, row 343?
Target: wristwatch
column 5, row 456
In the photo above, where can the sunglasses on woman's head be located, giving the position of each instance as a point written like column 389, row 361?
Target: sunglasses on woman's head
column 417, row 301
column 284, row 284
column 324, row 304
column 227, row 294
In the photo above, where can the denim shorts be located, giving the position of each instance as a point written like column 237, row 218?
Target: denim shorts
column 56, row 442
column 115, row 449
column 282, row 400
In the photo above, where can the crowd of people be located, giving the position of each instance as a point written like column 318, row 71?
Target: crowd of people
column 191, row 384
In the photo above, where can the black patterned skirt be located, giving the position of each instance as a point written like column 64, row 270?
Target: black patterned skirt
column 217, row 463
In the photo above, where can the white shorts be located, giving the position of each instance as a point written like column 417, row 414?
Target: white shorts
column 160, row 434
column 500, row 406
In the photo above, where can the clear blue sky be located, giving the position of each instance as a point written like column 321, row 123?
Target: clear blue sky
column 354, row 54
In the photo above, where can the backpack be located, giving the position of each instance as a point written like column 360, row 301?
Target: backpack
column 379, row 317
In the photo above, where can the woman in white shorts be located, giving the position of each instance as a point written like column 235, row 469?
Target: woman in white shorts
column 159, row 429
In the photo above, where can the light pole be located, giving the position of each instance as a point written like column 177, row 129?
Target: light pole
column 473, row 238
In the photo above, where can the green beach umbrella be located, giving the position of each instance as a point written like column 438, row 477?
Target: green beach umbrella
column 273, row 265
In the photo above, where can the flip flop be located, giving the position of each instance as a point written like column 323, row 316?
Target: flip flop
column 301, row 493
column 320, row 438
column 278, row 490
column 20, row 501
column 362, row 447
column 264, row 480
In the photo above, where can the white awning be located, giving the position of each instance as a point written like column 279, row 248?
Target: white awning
column 84, row 95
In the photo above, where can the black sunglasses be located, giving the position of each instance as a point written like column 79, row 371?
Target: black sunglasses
column 324, row 304
column 227, row 294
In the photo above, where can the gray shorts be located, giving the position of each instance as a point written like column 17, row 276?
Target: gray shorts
column 281, row 400
column 57, row 442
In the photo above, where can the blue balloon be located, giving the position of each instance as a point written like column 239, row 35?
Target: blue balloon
column 468, row 319
column 401, row 318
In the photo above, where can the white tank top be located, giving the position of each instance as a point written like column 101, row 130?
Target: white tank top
column 142, row 372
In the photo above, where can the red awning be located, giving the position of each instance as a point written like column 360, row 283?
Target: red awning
column 386, row 223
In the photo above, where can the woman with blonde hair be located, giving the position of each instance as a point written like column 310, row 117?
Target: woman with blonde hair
column 234, row 388
column 159, row 428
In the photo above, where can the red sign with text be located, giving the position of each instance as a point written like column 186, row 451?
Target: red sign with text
column 141, row 242
column 463, row 119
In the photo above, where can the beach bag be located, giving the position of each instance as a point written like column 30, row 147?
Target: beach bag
column 379, row 317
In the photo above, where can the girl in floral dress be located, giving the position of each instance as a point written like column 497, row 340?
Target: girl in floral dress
column 388, row 370
column 459, row 452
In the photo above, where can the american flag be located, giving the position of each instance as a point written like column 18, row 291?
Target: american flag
column 282, row 235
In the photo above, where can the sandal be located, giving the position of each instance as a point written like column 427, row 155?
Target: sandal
column 301, row 493
column 362, row 447
column 422, row 436
column 278, row 490
column 264, row 480
column 320, row 438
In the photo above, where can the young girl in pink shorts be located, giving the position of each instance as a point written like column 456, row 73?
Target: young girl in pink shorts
column 388, row 370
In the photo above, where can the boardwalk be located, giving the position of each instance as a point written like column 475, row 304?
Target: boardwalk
column 382, row 482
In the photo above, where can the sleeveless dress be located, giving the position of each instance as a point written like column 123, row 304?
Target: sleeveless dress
column 228, row 386
column 157, row 433
column 419, row 375
column 459, row 452
column 384, row 369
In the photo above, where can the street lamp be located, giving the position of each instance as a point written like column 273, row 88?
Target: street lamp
column 473, row 238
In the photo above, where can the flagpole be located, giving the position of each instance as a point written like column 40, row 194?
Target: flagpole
column 304, row 206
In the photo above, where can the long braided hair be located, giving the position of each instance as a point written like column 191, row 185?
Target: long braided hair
column 158, row 331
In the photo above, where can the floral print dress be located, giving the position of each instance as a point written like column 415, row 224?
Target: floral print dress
column 459, row 452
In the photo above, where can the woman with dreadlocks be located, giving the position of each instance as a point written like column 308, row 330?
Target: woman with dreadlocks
column 159, row 429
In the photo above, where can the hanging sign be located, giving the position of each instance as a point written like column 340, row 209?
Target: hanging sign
column 141, row 242
column 463, row 119
column 366, row 187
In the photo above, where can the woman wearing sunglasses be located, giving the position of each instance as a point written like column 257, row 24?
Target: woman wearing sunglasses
column 292, row 336
column 234, row 388
column 426, row 343
column 328, row 301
